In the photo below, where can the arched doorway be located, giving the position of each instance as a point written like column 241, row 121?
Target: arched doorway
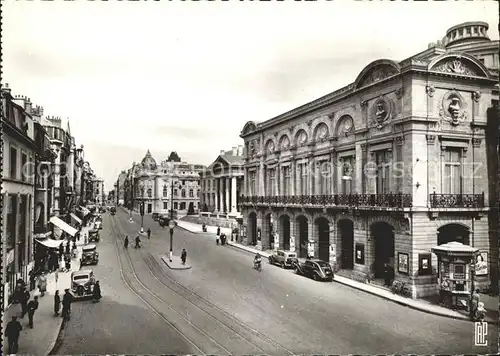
column 267, row 237
column 382, row 235
column 252, row 228
column 302, row 229
column 323, row 229
column 346, row 233
column 285, row 231
column 453, row 233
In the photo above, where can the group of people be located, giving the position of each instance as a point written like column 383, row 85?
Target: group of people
column 220, row 236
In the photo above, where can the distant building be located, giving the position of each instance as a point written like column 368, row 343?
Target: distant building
column 222, row 183
column 171, row 184
column 120, row 188
column 99, row 195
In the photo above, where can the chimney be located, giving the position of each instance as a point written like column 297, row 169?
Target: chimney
column 240, row 150
column 28, row 106
column 235, row 151
column 222, row 152
column 5, row 88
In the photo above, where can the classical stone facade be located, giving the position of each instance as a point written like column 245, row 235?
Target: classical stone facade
column 154, row 185
column 375, row 174
column 222, row 183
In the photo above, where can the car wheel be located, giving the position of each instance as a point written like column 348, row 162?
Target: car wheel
column 315, row 276
column 296, row 270
column 270, row 260
column 283, row 265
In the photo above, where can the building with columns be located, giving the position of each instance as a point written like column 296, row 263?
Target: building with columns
column 222, row 183
column 381, row 170
column 170, row 184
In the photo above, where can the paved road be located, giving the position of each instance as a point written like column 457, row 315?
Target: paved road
column 121, row 322
column 301, row 315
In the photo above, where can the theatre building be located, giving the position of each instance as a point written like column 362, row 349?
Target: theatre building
column 372, row 176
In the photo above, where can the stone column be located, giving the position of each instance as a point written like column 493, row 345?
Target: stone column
column 277, row 180
column 234, row 195
column 262, row 187
column 245, row 182
column 293, row 176
column 310, row 165
column 228, row 198
column 220, row 202
column 334, row 189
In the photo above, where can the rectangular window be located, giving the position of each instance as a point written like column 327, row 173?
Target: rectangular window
column 11, row 221
column 191, row 194
column 347, row 174
column 24, row 173
column 253, row 186
column 452, row 177
column 286, row 180
column 271, row 182
column 304, row 179
column 324, row 178
column 183, row 206
column 175, row 192
column 176, row 205
column 382, row 160
column 13, row 163
column 183, row 193
column 165, row 205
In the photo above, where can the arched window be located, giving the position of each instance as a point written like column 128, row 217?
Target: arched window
column 142, row 192
column 183, row 194
column 150, row 193
column 165, row 191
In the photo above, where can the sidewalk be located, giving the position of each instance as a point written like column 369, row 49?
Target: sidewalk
column 418, row 304
column 40, row 340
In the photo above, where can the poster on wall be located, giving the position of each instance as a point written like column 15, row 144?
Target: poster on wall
column 403, row 263
column 276, row 241
column 292, row 244
column 333, row 254
column 482, row 264
column 310, row 249
column 360, row 254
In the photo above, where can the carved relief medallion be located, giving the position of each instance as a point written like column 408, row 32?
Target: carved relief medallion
column 381, row 112
column 322, row 132
column 453, row 108
column 302, row 138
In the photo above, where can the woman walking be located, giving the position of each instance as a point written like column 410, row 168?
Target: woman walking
column 42, row 284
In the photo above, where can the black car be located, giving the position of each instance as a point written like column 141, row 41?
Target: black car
column 155, row 216
column 316, row 269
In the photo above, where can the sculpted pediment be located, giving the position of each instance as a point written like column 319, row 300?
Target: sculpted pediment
column 248, row 128
column 376, row 72
column 459, row 65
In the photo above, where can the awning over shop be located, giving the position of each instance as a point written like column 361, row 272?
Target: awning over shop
column 63, row 226
column 77, row 219
column 51, row 243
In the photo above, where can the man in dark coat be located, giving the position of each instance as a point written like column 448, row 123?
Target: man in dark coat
column 184, row 256
column 25, row 297
column 97, row 292
column 32, row 307
column 57, row 303
column 149, row 233
column 12, row 331
column 66, row 302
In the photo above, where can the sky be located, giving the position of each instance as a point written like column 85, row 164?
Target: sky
column 187, row 76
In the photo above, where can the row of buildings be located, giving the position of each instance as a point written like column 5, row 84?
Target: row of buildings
column 380, row 171
column 45, row 182
column 372, row 175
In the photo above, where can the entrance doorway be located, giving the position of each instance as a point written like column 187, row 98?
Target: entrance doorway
column 323, row 227
column 285, row 231
column 302, row 228
column 453, row 233
column 150, row 208
column 252, row 228
column 383, row 238
column 346, row 231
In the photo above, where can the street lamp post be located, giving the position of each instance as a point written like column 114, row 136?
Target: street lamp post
column 171, row 223
column 142, row 217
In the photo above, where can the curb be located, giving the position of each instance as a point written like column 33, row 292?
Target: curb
column 387, row 298
column 167, row 262
column 57, row 342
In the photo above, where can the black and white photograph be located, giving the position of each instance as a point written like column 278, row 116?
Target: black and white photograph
column 250, row 177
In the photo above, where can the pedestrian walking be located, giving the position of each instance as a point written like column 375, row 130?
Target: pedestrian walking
column 57, row 303
column 24, row 302
column 12, row 331
column 85, row 239
column 67, row 247
column 218, row 230
column 42, row 284
column 184, row 256
column 32, row 307
column 149, row 233
column 475, row 299
column 96, row 293
column 66, row 304
column 67, row 262
column 125, row 242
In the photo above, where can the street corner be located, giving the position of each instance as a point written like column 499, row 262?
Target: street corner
column 176, row 263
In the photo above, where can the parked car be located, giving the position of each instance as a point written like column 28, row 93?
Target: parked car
column 94, row 235
column 163, row 220
column 82, row 283
column 90, row 256
column 155, row 216
column 316, row 269
column 283, row 258
column 112, row 210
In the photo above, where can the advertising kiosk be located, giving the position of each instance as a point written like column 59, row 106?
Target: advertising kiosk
column 456, row 263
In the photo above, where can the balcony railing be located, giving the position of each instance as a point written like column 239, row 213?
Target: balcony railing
column 397, row 200
column 456, row 200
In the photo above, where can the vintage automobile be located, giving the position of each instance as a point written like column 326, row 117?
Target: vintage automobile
column 112, row 210
column 155, row 216
column 98, row 225
column 316, row 269
column 283, row 258
column 82, row 283
column 163, row 220
column 90, row 256
column 94, row 235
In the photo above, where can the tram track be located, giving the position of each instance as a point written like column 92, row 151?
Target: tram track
column 218, row 326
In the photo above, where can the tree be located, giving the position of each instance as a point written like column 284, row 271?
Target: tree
column 173, row 157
